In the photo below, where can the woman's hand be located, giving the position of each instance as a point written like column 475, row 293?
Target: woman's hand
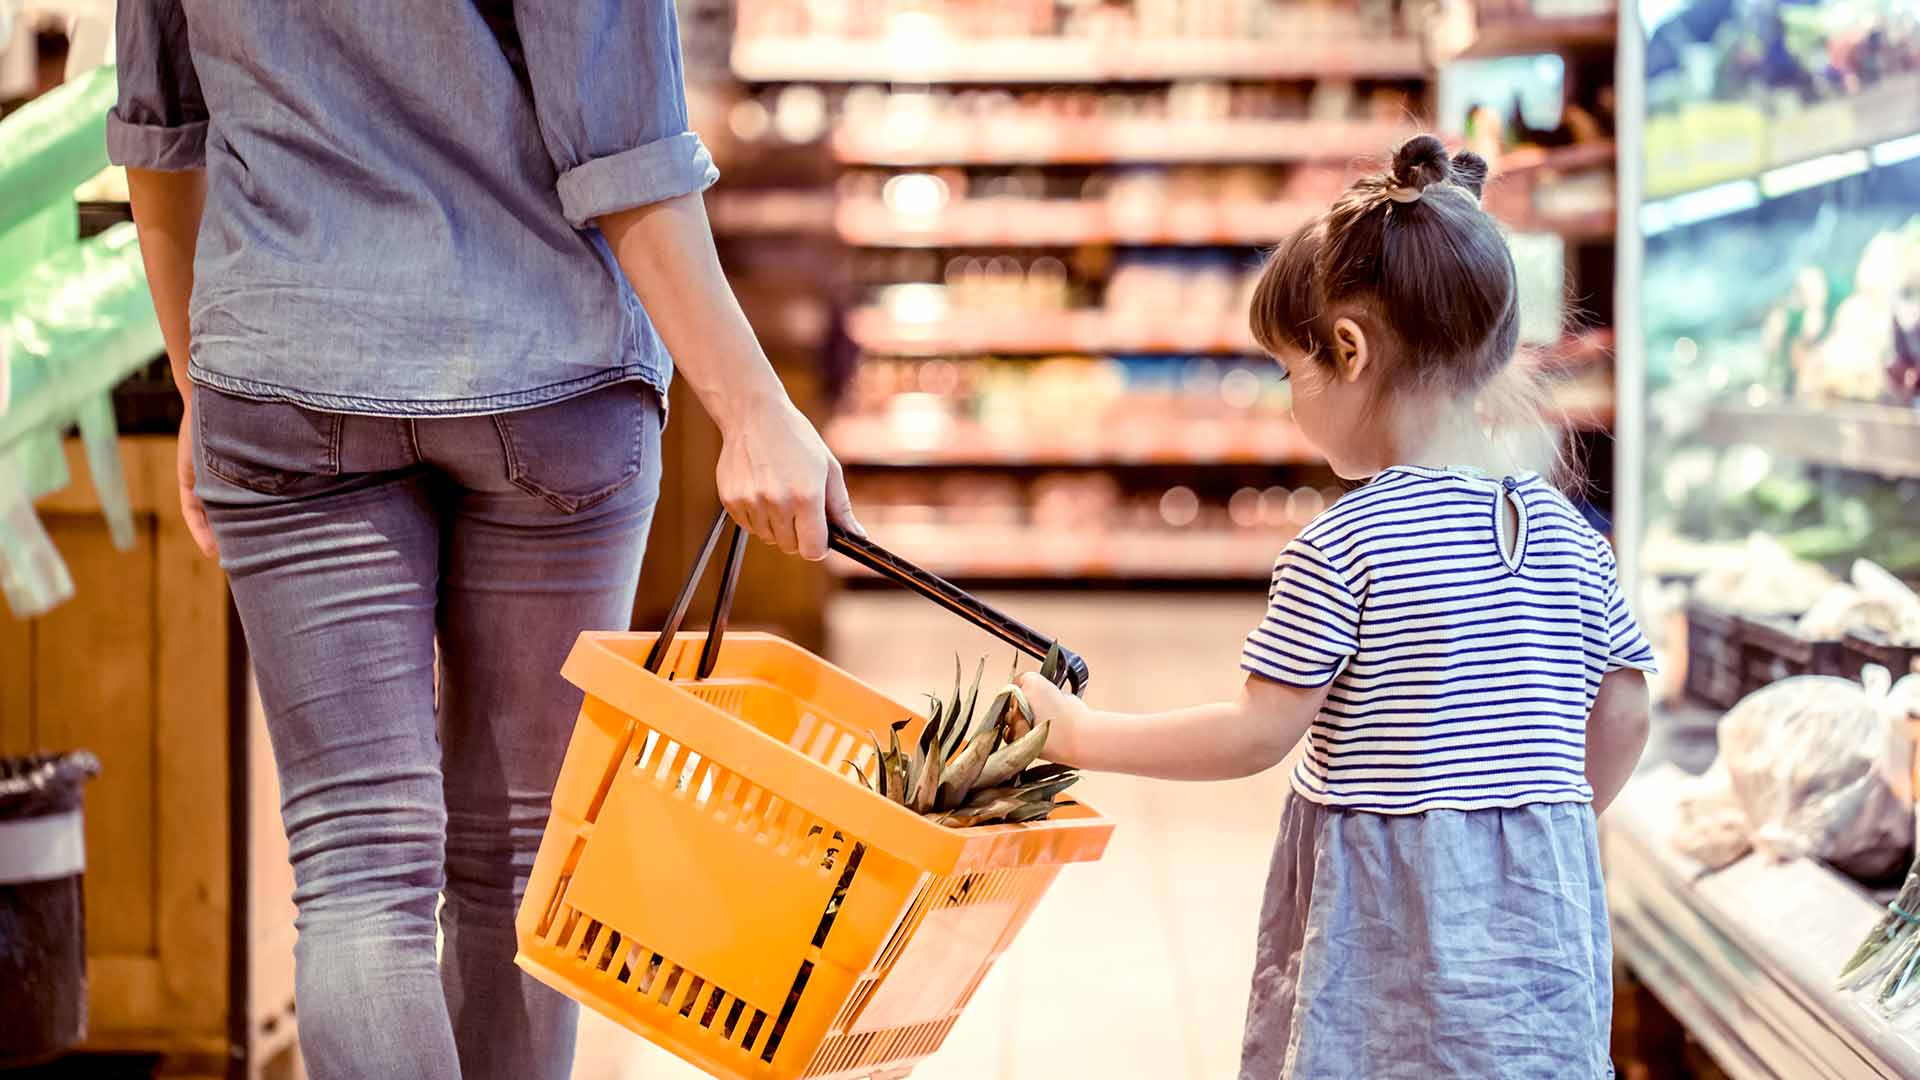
column 775, row 475
column 777, row 478
column 191, row 509
column 1067, row 715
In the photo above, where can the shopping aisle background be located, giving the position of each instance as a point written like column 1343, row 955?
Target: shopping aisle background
column 1133, row 967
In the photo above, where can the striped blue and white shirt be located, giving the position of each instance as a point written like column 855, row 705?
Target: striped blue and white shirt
column 1462, row 667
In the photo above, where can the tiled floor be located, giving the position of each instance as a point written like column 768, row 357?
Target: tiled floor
column 1134, row 967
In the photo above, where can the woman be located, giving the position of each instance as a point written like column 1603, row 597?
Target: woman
column 419, row 278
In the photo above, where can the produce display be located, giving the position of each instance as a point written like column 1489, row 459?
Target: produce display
column 1852, row 332
column 1888, row 961
column 1736, row 89
column 970, row 767
column 1812, row 767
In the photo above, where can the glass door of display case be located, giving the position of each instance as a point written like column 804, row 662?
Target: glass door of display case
column 1770, row 287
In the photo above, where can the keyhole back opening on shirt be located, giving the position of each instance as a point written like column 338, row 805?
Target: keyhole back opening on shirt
column 1510, row 525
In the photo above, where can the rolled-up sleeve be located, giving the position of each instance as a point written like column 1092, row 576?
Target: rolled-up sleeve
column 160, row 119
column 610, row 96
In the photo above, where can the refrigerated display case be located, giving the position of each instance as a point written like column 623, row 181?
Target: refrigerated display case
column 1769, row 459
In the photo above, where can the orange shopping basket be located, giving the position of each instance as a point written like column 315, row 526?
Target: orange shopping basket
column 713, row 878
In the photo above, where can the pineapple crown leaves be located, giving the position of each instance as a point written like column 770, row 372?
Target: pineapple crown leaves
column 969, row 767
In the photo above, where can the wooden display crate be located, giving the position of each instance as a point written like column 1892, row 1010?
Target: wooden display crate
column 188, row 890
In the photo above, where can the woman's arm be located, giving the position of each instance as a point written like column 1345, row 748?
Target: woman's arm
column 166, row 212
column 1225, row 740
column 1616, row 733
column 775, row 474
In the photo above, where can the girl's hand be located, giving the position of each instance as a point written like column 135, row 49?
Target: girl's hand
column 1067, row 714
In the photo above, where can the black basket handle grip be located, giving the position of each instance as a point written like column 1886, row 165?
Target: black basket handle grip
column 957, row 600
column 875, row 558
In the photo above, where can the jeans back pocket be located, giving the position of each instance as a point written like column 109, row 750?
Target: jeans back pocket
column 265, row 446
column 578, row 452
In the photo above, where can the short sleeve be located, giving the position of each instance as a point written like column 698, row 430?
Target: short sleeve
column 611, row 100
column 160, row 118
column 1627, row 647
column 1312, row 622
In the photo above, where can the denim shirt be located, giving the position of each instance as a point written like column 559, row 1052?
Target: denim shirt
column 401, row 197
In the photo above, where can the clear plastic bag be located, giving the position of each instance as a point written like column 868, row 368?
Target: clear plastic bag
column 1812, row 767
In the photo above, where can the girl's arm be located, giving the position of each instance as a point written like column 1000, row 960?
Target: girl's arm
column 1226, row 740
column 1616, row 733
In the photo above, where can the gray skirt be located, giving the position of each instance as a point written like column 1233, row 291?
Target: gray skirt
column 1432, row 946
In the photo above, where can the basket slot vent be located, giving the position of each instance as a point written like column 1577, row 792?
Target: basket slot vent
column 754, row 1028
column 585, row 948
column 820, row 746
column 841, row 1055
column 732, row 1025
column 804, row 731
column 608, row 950
column 691, row 997
column 728, row 699
column 670, row 984
column 857, row 1001
column 554, row 907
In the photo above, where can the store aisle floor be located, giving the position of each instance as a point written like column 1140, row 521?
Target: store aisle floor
column 1134, row 967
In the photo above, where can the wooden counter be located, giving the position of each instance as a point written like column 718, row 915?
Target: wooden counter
column 188, row 891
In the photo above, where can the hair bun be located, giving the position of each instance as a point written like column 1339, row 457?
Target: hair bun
column 1422, row 160
column 1470, row 171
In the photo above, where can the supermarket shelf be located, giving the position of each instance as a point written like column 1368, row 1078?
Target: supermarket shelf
column 1517, row 36
column 1041, row 333
column 1060, row 142
column 1034, row 553
column 1864, row 438
column 1010, row 222
column 1727, row 157
column 1320, row 51
column 1259, row 440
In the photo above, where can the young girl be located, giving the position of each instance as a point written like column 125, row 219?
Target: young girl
column 1451, row 640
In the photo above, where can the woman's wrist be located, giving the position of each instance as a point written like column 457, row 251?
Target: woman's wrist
column 745, row 397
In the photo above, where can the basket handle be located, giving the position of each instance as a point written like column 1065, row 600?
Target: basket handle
column 875, row 558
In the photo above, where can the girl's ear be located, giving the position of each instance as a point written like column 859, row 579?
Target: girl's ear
column 1351, row 353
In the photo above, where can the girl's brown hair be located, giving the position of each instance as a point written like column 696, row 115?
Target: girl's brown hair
column 1410, row 256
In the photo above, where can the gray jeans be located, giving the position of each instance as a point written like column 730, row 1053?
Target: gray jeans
column 354, row 544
